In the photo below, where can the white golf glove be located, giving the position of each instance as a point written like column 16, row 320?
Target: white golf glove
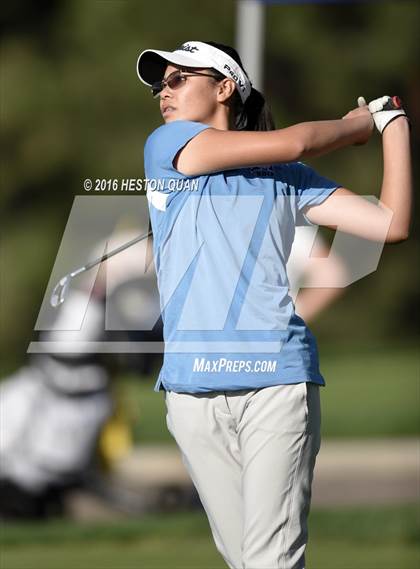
column 384, row 110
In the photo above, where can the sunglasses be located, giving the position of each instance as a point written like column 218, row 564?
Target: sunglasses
column 174, row 81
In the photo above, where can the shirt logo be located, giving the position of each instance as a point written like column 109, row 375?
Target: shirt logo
column 262, row 171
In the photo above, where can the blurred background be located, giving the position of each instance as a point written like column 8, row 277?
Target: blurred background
column 72, row 108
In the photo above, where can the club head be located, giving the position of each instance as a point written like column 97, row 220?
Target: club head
column 59, row 293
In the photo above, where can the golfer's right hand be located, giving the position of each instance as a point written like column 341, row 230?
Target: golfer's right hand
column 366, row 123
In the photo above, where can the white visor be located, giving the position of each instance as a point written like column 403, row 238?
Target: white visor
column 151, row 64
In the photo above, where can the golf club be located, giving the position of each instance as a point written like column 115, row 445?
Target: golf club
column 60, row 290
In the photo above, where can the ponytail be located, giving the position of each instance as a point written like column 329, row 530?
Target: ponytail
column 254, row 114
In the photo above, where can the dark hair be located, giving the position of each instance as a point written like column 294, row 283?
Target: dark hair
column 254, row 114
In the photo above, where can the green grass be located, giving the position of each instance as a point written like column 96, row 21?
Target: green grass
column 382, row 538
column 367, row 395
column 371, row 394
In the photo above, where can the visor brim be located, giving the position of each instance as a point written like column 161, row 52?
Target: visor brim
column 151, row 64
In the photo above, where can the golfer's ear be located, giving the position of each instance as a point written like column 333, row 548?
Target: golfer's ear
column 226, row 89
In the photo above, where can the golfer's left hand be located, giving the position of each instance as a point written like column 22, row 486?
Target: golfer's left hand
column 384, row 110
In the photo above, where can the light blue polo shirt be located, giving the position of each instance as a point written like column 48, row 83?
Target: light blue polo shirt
column 221, row 244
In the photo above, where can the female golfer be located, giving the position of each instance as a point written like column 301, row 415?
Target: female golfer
column 240, row 371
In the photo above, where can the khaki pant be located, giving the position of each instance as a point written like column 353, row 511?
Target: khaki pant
column 251, row 456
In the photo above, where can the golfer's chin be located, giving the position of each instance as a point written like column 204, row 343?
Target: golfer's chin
column 169, row 119
column 169, row 116
column 176, row 115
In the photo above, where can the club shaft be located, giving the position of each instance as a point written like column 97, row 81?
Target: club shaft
column 112, row 253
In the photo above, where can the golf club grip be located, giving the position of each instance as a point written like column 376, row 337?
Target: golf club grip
column 116, row 251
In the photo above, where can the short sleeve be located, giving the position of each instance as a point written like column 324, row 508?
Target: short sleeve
column 164, row 143
column 311, row 189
